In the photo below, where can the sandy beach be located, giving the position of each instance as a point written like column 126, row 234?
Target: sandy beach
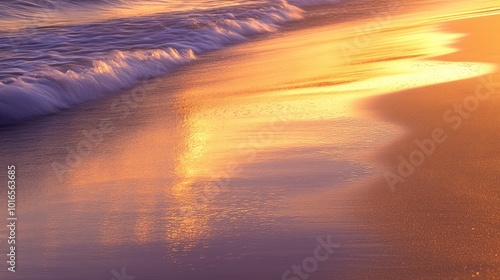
column 240, row 164
column 446, row 213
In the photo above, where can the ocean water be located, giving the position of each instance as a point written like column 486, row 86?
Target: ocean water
column 226, row 169
column 58, row 53
column 55, row 54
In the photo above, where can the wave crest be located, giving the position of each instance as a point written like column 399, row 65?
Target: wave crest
column 48, row 71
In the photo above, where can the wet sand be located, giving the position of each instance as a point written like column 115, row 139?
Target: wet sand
column 234, row 166
column 445, row 216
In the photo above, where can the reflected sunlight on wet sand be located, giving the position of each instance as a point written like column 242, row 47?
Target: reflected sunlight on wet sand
column 256, row 148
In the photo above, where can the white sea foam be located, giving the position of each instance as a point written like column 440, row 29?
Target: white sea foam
column 45, row 72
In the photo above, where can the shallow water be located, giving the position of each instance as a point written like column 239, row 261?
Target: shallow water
column 229, row 168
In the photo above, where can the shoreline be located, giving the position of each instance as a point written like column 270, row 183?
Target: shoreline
column 314, row 17
column 444, row 213
column 240, row 160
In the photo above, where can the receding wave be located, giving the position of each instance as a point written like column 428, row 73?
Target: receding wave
column 44, row 70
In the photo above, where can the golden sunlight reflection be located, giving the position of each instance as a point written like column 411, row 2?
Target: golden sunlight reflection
column 326, row 90
column 236, row 117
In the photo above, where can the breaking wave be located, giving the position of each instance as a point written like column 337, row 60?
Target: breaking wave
column 46, row 69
